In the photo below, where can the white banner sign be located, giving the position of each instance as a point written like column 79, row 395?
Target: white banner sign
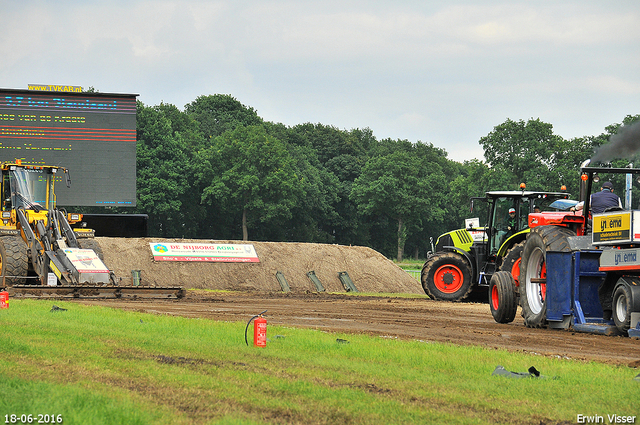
column 225, row 253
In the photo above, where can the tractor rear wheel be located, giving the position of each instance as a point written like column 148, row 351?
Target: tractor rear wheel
column 502, row 297
column 446, row 276
column 621, row 308
column 14, row 261
column 533, row 271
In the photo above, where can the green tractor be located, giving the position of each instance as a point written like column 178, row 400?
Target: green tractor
column 464, row 260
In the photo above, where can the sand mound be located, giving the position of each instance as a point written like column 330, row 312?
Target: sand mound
column 369, row 270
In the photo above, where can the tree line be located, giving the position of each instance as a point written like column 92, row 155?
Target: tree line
column 217, row 170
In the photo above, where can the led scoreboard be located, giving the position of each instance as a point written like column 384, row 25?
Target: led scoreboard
column 93, row 135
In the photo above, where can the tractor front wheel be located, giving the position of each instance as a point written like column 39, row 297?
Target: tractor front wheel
column 502, row 297
column 446, row 276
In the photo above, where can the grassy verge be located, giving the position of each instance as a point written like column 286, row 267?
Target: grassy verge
column 96, row 365
column 410, row 264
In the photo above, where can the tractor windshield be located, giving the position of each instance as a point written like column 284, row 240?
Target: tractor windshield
column 507, row 220
column 548, row 203
column 30, row 187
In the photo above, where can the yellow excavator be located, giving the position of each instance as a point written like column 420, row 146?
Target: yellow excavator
column 45, row 251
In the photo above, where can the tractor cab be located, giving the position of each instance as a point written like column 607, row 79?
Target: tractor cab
column 507, row 215
column 508, row 224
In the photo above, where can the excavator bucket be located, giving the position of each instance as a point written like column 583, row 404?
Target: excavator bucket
column 84, row 265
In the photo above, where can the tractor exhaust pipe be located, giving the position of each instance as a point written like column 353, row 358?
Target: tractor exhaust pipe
column 583, row 183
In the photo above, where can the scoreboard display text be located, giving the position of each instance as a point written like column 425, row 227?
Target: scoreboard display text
column 93, row 135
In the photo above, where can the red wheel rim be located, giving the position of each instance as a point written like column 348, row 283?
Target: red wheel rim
column 448, row 279
column 515, row 271
column 495, row 301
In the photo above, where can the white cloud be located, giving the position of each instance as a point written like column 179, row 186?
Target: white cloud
column 442, row 72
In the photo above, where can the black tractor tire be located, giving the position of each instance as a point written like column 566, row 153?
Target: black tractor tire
column 511, row 261
column 446, row 276
column 502, row 297
column 90, row 243
column 533, row 265
column 14, row 260
column 621, row 308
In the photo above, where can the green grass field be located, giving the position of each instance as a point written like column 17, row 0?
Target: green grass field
column 94, row 365
column 410, row 264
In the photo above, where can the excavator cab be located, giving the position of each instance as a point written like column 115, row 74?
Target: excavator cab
column 29, row 188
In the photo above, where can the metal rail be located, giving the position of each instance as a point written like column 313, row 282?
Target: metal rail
column 414, row 273
column 89, row 291
column 96, row 292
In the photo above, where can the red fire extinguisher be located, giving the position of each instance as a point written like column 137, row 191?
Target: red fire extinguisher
column 259, row 330
column 4, row 299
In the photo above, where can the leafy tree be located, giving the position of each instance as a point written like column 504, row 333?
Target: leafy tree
column 219, row 113
column 402, row 187
column 570, row 155
column 619, row 150
column 250, row 173
column 314, row 217
column 186, row 132
column 339, row 157
column 473, row 180
column 162, row 176
column 330, row 142
column 528, row 150
column 618, row 147
column 435, row 158
column 217, row 169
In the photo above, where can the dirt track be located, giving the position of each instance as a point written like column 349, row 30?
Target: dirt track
column 421, row 319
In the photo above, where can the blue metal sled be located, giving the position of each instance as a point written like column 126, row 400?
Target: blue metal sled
column 573, row 279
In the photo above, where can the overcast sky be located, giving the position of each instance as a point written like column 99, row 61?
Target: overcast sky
column 444, row 72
